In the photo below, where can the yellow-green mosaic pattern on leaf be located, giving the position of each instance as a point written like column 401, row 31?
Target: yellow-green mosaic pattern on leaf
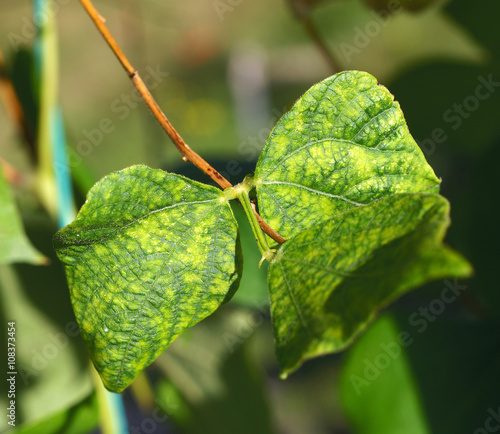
column 327, row 283
column 345, row 143
column 149, row 255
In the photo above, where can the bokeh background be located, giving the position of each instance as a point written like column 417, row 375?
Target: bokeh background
column 224, row 72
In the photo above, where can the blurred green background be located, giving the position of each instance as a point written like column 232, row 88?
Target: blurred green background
column 224, row 72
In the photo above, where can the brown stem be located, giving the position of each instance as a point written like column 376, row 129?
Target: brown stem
column 180, row 144
column 318, row 40
column 302, row 10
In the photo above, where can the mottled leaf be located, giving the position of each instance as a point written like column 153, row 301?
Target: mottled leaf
column 327, row 283
column 344, row 144
column 14, row 245
column 149, row 255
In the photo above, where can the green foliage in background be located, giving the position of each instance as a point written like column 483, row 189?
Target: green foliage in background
column 14, row 245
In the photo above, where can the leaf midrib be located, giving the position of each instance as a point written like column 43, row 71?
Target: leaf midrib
column 332, row 139
column 123, row 227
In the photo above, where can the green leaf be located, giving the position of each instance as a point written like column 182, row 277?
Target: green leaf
column 80, row 418
column 345, row 143
column 149, row 255
column 52, row 369
column 458, row 385
column 327, row 283
column 418, row 373
column 377, row 364
column 214, row 385
column 14, row 245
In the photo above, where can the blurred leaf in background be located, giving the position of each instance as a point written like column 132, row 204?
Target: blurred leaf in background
column 453, row 112
column 14, row 245
column 52, row 368
column 81, row 418
column 212, row 384
column 377, row 385
column 408, row 375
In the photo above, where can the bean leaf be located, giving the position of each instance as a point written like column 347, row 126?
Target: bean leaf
column 328, row 283
column 149, row 255
column 344, row 144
